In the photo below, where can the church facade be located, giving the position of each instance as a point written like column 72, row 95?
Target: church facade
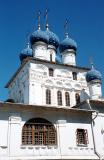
column 55, row 108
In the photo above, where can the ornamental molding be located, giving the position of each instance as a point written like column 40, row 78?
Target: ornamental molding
column 49, row 81
column 40, row 67
column 59, row 83
column 15, row 118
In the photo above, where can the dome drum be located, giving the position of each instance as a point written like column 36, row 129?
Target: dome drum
column 69, row 51
column 95, row 81
column 39, row 43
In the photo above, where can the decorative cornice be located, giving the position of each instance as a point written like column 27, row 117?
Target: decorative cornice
column 31, row 59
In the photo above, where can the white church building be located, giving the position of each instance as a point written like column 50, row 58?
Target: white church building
column 55, row 108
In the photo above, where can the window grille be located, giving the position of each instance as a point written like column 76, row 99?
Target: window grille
column 74, row 75
column 39, row 132
column 59, row 97
column 67, row 99
column 77, row 97
column 51, row 57
column 51, row 72
column 82, row 137
column 48, row 96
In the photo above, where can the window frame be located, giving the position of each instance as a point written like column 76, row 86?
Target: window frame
column 77, row 98
column 74, row 75
column 67, row 99
column 59, row 98
column 51, row 72
column 51, row 57
column 39, row 133
column 81, row 137
column 48, row 96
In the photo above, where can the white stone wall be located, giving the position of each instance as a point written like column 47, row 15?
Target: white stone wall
column 19, row 88
column 62, row 80
column 65, row 123
column 99, row 133
column 31, row 82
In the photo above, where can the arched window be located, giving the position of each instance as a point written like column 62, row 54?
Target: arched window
column 51, row 72
column 38, row 131
column 77, row 97
column 48, row 96
column 59, row 97
column 67, row 99
column 74, row 75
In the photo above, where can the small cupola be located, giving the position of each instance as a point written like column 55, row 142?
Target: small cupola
column 93, row 78
column 93, row 75
column 39, row 41
column 44, row 43
column 68, row 48
column 68, row 44
column 38, row 35
column 27, row 52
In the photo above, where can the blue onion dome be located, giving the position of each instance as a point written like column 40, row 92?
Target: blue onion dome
column 93, row 74
column 58, row 58
column 52, row 38
column 38, row 35
column 67, row 43
column 27, row 52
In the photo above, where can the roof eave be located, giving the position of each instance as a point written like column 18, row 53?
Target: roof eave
column 6, row 104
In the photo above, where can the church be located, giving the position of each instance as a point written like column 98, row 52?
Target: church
column 55, row 108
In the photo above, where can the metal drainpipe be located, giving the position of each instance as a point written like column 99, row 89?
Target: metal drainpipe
column 93, row 131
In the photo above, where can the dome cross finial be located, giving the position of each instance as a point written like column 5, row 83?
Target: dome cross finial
column 46, row 16
column 66, row 28
column 27, row 39
column 38, row 17
column 91, row 62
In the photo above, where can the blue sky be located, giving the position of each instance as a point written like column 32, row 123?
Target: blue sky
column 17, row 17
